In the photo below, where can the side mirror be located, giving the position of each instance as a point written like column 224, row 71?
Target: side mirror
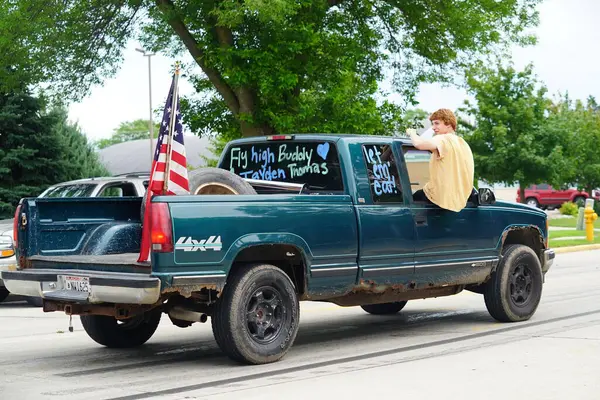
column 486, row 196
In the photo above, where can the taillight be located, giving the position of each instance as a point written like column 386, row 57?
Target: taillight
column 15, row 227
column 160, row 228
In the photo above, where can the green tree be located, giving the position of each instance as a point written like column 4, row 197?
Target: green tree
column 275, row 66
column 578, row 122
column 127, row 131
column 414, row 118
column 37, row 149
column 505, row 128
column 78, row 152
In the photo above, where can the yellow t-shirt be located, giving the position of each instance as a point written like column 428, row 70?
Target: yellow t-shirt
column 451, row 176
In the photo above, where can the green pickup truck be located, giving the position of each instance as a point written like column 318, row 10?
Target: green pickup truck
column 282, row 219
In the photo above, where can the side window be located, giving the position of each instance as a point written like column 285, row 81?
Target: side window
column 79, row 190
column 417, row 165
column 382, row 171
column 118, row 190
column 111, row 191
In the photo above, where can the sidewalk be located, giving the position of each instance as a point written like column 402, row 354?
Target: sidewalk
column 562, row 228
column 575, row 232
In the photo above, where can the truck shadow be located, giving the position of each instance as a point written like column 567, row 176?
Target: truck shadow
column 343, row 331
column 13, row 301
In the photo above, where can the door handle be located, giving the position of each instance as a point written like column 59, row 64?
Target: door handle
column 420, row 220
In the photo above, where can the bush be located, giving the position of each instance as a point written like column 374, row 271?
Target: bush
column 569, row 208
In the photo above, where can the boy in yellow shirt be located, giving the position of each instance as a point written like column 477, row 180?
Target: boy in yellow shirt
column 451, row 166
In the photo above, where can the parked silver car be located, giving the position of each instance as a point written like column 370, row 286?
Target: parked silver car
column 113, row 186
column 7, row 252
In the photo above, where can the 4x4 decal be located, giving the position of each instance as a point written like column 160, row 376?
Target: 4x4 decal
column 188, row 244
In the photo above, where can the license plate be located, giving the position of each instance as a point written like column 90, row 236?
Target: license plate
column 77, row 283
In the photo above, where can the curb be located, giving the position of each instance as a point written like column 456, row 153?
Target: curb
column 572, row 249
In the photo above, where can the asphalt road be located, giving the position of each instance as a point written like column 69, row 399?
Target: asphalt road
column 438, row 348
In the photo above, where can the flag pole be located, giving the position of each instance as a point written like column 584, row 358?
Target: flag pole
column 171, row 128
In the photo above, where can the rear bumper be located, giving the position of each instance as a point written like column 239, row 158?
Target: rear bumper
column 104, row 287
column 548, row 260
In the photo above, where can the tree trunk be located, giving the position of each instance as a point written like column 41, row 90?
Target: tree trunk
column 240, row 101
column 249, row 130
column 522, row 192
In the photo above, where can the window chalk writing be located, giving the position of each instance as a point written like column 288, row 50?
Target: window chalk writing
column 264, row 174
column 380, row 166
column 269, row 163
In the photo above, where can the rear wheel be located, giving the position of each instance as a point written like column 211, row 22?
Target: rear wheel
column 515, row 289
column 384, row 308
column 127, row 333
column 532, row 202
column 255, row 321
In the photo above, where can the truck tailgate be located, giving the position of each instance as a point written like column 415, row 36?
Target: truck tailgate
column 83, row 250
column 93, row 261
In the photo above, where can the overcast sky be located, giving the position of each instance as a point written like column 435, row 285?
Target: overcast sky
column 565, row 59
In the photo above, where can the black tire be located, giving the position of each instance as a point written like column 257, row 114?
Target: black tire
column 515, row 289
column 227, row 181
column 3, row 293
column 220, row 178
column 384, row 308
column 236, row 329
column 532, row 201
column 34, row 301
column 579, row 200
column 109, row 332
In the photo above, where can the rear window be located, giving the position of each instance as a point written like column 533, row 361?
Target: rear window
column 76, row 190
column 306, row 162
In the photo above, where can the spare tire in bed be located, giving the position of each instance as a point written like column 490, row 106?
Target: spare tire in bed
column 217, row 181
column 213, row 181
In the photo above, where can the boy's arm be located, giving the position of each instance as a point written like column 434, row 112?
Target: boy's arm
column 422, row 144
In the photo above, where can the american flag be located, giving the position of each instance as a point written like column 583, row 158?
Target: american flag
column 172, row 159
column 178, row 176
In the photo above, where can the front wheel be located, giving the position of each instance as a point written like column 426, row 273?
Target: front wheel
column 580, row 201
column 384, row 308
column 515, row 289
column 255, row 321
column 131, row 332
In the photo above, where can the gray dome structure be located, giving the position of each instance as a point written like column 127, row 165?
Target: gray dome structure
column 134, row 156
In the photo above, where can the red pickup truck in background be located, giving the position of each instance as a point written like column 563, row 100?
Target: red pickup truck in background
column 545, row 196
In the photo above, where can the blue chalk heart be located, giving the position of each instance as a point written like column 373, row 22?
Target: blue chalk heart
column 322, row 150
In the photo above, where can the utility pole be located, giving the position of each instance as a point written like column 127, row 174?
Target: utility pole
column 150, row 124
